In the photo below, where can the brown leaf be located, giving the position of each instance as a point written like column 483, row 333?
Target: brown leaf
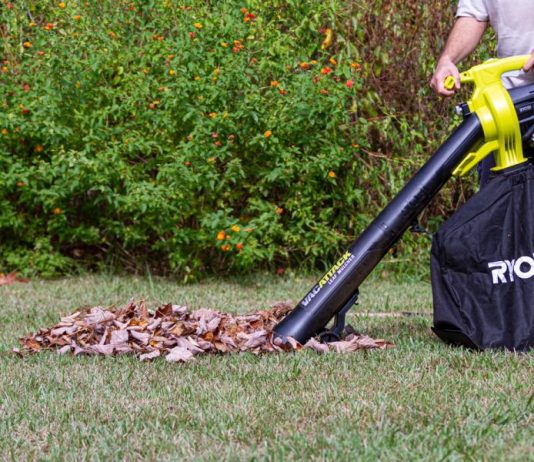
column 213, row 324
column 319, row 347
column 179, row 354
column 204, row 314
column 204, row 345
column 119, row 336
column 70, row 319
column 228, row 341
column 122, row 348
column 11, row 278
column 154, row 324
column 253, row 340
column 32, row 344
column 220, row 346
column 99, row 315
column 147, row 356
column 143, row 337
column 178, row 310
column 208, row 336
column 63, row 330
column 143, row 312
column 164, row 311
column 105, row 350
column 64, row 349
column 140, row 323
column 181, row 328
column 356, row 342
column 188, row 344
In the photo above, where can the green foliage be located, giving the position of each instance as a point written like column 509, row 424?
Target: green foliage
column 134, row 132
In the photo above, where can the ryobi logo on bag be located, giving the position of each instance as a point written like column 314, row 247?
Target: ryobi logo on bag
column 505, row 271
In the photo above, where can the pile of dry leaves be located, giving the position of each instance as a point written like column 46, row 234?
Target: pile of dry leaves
column 175, row 333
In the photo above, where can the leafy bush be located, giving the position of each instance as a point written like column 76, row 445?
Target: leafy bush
column 207, row 136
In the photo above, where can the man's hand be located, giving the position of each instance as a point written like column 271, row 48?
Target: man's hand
column 445, row 68
column 529, row 66
column 462, row 40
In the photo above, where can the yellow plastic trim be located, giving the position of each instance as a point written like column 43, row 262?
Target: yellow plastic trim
column 495, row 109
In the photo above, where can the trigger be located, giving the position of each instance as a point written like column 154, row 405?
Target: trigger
column 473, row 158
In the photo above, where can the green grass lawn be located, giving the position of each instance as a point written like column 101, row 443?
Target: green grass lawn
column 419, row 401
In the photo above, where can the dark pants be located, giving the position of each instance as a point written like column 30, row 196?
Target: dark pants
column 485, row 166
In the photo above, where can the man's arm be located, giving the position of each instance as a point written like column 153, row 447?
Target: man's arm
column 463, row 39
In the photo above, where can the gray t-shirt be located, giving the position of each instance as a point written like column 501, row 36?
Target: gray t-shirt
column 513, row 21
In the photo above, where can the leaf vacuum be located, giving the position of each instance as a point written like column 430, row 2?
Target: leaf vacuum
column 482, row 259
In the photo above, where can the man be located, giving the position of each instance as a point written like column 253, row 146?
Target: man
column 513, row 22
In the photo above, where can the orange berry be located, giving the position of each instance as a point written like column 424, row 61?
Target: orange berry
column 279, row 210
column 239, row 246
column 332, row 61
column 5, row 69
column 304, row 65
column 77, row 17
column 326, row 70
column 235, row 228
column 39, row 148
column 243, row 10
column 172, row 72
column 27, row 44
column 331, row 174
column 268, row 134
column 61, row 5
column 274, row 83
column 57, row 211
column 198, row 25
column 4, row 131
column 221, row 235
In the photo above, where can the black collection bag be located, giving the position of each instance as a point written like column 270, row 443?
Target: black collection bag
column 482, row 266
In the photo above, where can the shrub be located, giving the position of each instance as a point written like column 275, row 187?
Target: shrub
column 193, row 137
